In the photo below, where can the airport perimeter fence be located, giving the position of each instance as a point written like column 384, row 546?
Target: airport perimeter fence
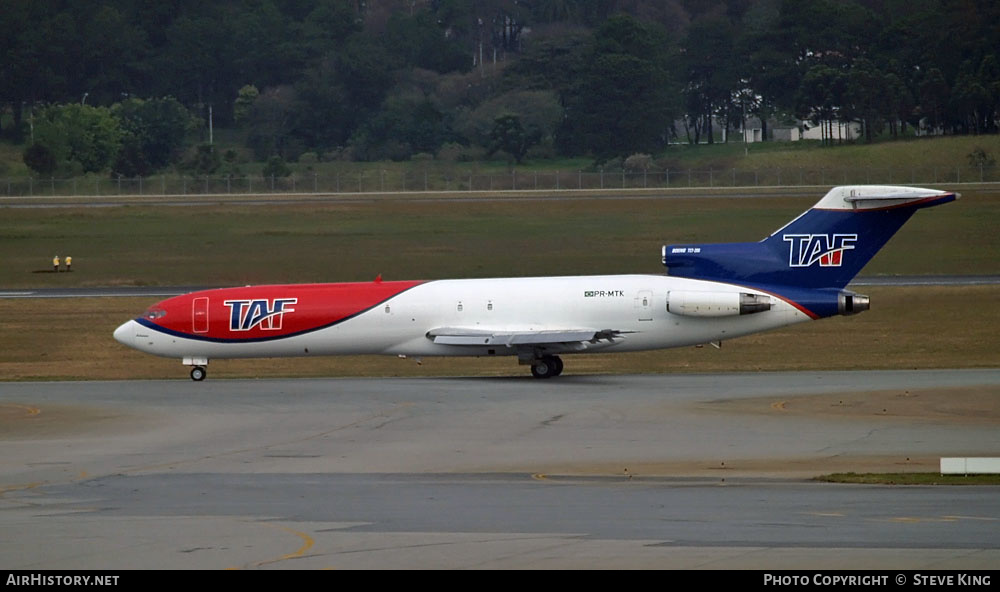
column 416, row 181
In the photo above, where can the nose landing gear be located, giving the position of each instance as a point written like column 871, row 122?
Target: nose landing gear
column 198, row 373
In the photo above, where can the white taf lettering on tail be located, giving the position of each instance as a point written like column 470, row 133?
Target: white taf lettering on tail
column 247, row 314
column 828, row 250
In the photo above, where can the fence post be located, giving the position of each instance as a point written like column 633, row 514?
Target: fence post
column 557, row 179
column 734, row 177
column 140, row 185
column 958, row 175
column 623, row 177
column 602, row 178
column 667, row 173
column 711, row 177
column 31, row 187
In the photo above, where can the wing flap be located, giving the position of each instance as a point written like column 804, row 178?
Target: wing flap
column 481, row 337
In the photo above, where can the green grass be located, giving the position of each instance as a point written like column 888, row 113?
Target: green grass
column 331, row 241
column 910, row 479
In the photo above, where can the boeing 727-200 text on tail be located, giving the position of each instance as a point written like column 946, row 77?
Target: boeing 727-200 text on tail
column 710, row 292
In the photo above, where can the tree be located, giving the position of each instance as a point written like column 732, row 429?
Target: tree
column 272, row 121
column 865, row 97
column 934, row 97
column 154, row 134
column 244, row 103
column 82, row 134
column 276, row 167
column 39, row 159
column 509, row 135
column 819, row 97
column 710, row 67
column 205, row 160
column 624, row 100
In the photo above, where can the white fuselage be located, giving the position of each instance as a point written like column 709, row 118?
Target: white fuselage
column 634, row 306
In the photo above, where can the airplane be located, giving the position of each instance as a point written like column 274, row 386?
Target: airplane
column 710, row 292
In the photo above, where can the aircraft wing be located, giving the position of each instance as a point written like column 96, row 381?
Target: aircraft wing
column 564, row 338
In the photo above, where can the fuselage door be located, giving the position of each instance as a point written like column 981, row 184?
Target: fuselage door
column 644, row 305
column 199, row 315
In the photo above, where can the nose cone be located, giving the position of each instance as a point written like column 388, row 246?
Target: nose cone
column 125, row 334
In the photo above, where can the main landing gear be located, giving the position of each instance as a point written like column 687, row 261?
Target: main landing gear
column 547, row 367
column 198, row 373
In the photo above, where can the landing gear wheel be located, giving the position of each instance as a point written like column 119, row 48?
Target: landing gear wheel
column 547, row 367
column 198, row 373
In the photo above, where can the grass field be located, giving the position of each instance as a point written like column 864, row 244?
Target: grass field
column 925, row 327
column 232, row 245
column 910, row 479
column 331, row 241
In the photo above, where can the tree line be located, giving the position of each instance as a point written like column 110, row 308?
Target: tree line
column 368, row 80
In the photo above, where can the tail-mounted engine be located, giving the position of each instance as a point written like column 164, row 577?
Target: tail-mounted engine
column 716, row 304
column 849, row 303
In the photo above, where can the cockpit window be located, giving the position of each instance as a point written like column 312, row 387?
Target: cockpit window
column 155, row 313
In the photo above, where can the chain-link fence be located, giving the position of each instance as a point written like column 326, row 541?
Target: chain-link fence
column 413, row 181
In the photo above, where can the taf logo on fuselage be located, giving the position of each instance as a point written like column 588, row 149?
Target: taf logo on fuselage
column 244, row 315
column 828, row 249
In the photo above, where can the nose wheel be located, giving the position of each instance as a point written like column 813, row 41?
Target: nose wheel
column 547, row 367
column 198, row 373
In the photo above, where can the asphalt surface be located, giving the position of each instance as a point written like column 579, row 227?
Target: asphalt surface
column 666, row 471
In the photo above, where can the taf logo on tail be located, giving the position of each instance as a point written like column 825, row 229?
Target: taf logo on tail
column 828, row 249
column 244, row 315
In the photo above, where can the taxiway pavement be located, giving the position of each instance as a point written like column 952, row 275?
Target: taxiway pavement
column 652, row 471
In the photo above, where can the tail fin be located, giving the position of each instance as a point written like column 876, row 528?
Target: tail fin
column 825, row 247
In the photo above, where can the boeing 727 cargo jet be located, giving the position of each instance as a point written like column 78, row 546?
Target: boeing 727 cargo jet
column 710, row 292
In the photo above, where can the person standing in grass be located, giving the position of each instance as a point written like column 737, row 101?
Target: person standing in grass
column 55, row 264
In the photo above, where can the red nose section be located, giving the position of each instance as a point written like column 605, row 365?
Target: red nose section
column 261, row 313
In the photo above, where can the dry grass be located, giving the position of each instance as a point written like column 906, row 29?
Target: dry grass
column 918, row 327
